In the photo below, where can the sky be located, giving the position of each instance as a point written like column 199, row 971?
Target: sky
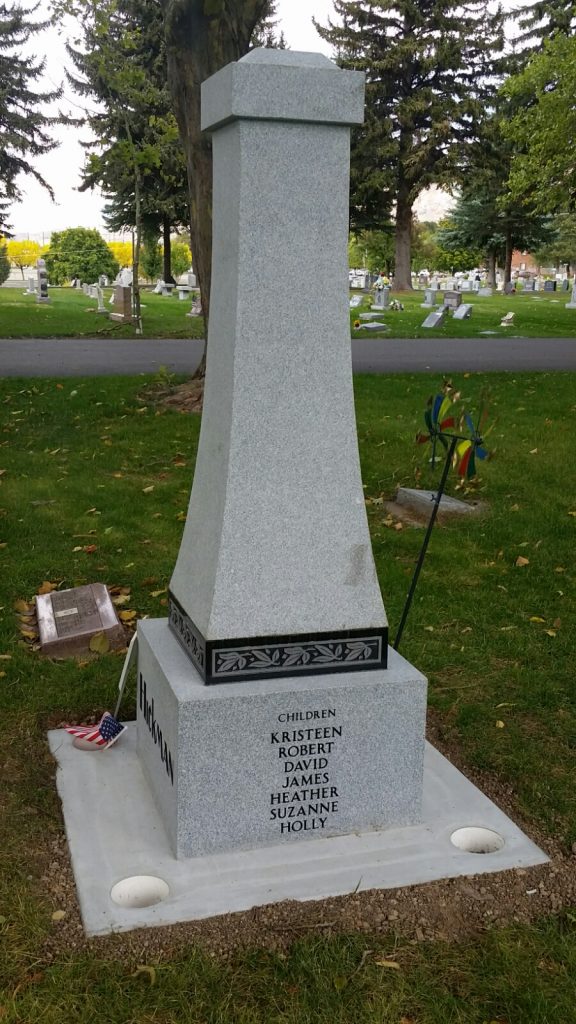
column 36, row 216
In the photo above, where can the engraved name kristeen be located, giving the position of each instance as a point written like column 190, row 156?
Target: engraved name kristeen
column 307, row 795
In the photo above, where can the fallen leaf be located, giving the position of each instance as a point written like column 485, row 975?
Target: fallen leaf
column 536, row 618
column 23, row 607
column 77, row 548
column 534, row 451
column 127, row 616
column 520, row 561
column 181, row 517
column 557, row 623
column 158, row 593
column 47, row 587
column 514, row 508
column 398, row 526
column 89, row 549
column 145, row 969
column 559, row 568
column 429, row 629
column 99, row 643
column 340, row 983
column 383, row 962
column 500, row 724
column 33, row 635
column 58, row 915
column 121, row 599
column 2, row 675
column 147, row 490
column 5, row 657
column 550, row 632
column 572, row 513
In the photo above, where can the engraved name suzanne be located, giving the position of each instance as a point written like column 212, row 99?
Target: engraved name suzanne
column 147, row 709
column 307, row 795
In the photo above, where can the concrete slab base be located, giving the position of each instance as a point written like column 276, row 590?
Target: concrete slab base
column 115, row 834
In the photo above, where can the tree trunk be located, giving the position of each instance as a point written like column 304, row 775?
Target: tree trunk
column 491, row 261
column 508, row 260
column 197, row 45
column 402, row 272
column 167, row 273
column 136, row 305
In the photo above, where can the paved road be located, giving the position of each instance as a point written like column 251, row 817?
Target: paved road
column 44, row 357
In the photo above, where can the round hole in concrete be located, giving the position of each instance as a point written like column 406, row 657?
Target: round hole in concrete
column 139, row 891
column 475, row 839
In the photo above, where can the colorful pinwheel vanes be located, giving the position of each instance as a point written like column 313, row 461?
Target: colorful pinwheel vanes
column 441, row 424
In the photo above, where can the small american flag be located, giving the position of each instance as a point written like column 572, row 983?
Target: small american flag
column 108, row 730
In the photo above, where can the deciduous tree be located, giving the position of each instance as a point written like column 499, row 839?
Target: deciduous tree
column 79, row 252
column 22, row 254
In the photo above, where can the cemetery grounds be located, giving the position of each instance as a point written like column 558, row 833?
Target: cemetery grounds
column 71, row 314
column 94, row 483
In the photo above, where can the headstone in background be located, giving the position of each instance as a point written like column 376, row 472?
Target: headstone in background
column 485, row 293
column 42, row 281
column 437, row 318
column 572, row 303
column 463, row 312
column 86, row 288
column 381, row 299
column 191, row 279
column 158, row 287
column 564, row 285
column 510, row 288
column 196, row 308
column 508, row 320
column 78, row 284
column 430, row 298
column 103, row 281
column 452, row 299
column 31, row 286
column 355, row 301
column 100, row 297
column 122, row 304
column 529, row 286
column 549, row 286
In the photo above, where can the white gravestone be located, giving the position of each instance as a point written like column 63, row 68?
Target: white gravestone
column 100, row 297
column 572, row 303
column 266, row 712
column 437, row 318
column 430, row 298
column 31, row 286
column 381, row 299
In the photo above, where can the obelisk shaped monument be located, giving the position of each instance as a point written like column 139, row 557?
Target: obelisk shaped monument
column 276, row 550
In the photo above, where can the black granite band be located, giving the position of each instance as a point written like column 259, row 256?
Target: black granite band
column 223, row 661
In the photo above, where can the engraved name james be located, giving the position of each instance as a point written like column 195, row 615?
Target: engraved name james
column 307, row 795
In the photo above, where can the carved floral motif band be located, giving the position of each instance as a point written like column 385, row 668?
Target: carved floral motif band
column 255, row 657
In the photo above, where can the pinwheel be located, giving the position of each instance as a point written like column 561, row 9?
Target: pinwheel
column 464, row 449
column 471, row 448
column 437, row 420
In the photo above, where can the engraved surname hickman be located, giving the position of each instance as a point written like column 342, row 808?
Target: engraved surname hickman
column 147, row 709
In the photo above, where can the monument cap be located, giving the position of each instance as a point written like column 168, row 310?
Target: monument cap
column 283, row 85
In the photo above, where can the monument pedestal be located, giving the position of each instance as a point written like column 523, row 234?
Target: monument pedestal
column 269, row 761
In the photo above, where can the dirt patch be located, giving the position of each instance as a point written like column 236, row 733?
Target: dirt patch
column 449, row 910
column 187, row 397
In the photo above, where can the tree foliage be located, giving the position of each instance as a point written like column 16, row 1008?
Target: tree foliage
column 24, row 128
column 79, row 252
column 4, row 262
column 22, row 254
column 545, row 18
column 428, row 65
column 122, row 252
column 543, row 129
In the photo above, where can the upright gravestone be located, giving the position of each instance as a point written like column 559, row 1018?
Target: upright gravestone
column 122, row 304
column 452, row 299
column 430, row 298
column 268, row 710
column 42, row 282
column 381, row 299
column 572, row 303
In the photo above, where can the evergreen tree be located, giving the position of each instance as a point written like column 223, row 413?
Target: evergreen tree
column 4, row 262
column 122, row 64
column 545, row 18
column 428, row 66
column 23, row 126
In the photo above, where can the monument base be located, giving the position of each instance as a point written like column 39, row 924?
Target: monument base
column 127, row 877
column 282, row 758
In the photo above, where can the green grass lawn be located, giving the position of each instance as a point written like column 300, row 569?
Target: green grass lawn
column 94, row 483
column 71, row 314
column 540, row 315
